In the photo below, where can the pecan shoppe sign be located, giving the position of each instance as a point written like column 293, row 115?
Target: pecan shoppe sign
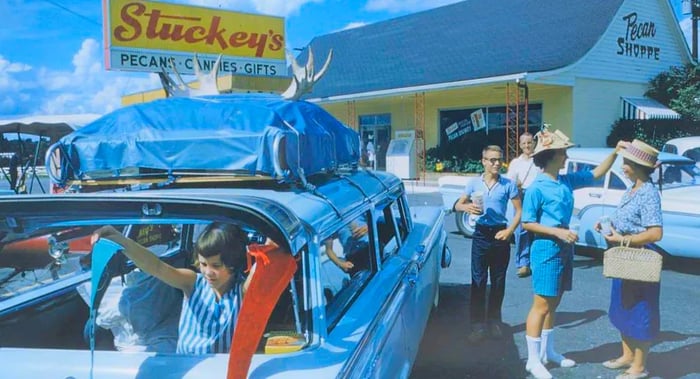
column 145, row 36
column 639, row 39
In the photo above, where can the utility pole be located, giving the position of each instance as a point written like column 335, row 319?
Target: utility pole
column 692, row 7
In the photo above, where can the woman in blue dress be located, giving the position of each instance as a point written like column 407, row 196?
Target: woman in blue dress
column 634, row 306
column 547, row 210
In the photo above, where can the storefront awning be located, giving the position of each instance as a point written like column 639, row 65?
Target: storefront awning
column 644, row 108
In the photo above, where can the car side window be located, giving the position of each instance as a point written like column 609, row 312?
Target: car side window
column 668, row 148
column 347, row 263
column 574, row 166
column 386, row 231
column 616, row 182
column 693, row 154
column 399, row 209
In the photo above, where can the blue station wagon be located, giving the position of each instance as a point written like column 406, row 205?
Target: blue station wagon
column 283, row 171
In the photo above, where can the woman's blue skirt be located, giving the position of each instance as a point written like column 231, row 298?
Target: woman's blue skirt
column 634, row 309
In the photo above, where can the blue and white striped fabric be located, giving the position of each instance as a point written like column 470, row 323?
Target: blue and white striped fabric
column 206, row 325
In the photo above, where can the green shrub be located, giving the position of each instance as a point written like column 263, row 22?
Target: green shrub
column 653, row 132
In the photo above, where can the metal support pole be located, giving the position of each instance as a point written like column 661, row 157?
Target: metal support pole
column 695, row 38
column 34, row 160
column 695, row 14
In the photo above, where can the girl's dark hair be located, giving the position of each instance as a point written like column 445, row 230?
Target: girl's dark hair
column 542, row 158
column 228, row 240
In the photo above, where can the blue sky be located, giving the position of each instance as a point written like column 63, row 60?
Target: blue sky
column 51, row 60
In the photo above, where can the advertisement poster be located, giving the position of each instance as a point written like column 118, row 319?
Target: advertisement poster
column 454, row 124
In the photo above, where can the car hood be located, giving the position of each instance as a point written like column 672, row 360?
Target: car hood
column 681, row 199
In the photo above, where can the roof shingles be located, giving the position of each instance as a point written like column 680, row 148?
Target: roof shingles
column 467, row 40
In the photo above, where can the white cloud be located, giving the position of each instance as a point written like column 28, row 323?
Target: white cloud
column 282, row 8
column 7, row 74
column 10, row 84
column 86, row 88
column 395, row 6
column 353, row 25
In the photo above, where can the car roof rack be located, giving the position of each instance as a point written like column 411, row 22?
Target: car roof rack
column 226, row 135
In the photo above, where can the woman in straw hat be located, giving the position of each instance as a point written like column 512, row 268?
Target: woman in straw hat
column 634, row 306
column 547, row 209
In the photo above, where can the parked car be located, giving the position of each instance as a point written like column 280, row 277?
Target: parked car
column 451, row 188
column 678, row 181
column 685, row 146
column 679, row 185
column 57, row 292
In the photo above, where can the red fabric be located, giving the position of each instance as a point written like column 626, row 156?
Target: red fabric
column 273, row 272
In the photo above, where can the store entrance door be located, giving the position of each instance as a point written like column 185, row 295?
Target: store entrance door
column 380, row 137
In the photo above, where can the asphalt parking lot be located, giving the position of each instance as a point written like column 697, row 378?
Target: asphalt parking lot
column 584, row 332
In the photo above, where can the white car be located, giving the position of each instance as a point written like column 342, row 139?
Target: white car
column 678, row 181
column 451, row 188
column 685, row 146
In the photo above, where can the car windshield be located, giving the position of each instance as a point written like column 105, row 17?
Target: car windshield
column 675, row 175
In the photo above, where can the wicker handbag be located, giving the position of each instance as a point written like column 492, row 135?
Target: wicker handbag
column 632, row 263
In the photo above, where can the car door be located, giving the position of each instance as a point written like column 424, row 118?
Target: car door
column 366, row 296
column 593, row 202
column 423, row 246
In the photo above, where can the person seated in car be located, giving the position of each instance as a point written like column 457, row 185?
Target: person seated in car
column 212, row 297
column 355, row 244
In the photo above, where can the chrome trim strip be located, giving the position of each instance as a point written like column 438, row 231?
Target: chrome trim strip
column 276, row 152
column 40, row 292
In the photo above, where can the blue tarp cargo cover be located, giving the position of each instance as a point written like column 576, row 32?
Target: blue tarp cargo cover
column 252, row 134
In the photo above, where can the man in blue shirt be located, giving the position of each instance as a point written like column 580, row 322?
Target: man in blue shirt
column 488, row 197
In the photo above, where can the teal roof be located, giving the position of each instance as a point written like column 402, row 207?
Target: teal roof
column 468, row 40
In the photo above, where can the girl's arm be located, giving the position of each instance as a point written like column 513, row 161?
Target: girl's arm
column 605, row 165
column 565, row 235
column 144, row 259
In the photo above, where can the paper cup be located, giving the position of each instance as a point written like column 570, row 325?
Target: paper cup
column 478, row 199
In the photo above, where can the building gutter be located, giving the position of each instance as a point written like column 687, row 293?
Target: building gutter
column 423, row 88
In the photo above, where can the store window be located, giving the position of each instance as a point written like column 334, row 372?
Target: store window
column 466, row 131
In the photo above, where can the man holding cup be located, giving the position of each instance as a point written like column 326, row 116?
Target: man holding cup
column 488, row 198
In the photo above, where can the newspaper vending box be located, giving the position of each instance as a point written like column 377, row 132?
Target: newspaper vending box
column 401, row 158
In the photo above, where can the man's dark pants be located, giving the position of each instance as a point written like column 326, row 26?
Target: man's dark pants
column 490, row 257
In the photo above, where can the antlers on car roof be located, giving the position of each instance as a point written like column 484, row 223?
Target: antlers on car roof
column 207, row 82
column 303, row 80
column 304, row 76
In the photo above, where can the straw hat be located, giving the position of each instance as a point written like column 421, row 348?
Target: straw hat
column 640, row 153
column 547, row 140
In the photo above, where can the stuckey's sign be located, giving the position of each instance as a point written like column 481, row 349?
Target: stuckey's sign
column 145, row 36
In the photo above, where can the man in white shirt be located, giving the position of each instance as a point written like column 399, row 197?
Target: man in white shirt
column 523, row 172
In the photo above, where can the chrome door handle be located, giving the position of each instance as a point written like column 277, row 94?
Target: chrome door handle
column 596, row 195
column 412, row 275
